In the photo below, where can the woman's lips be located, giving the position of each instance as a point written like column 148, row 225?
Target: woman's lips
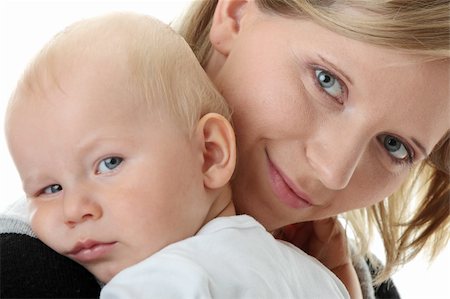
column 285, row 190
column 89, row 250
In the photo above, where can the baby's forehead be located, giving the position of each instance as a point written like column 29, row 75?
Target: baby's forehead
column 59, row 65
column 104, row 78
column 81, row 92
column 159, row 70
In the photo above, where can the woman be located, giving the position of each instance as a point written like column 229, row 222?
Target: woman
column 331, row 116
column 329, row 110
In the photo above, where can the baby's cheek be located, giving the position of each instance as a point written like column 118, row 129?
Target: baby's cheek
column 36, row 219
column 48, row 228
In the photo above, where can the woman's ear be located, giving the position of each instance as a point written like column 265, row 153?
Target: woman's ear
column 226, row 24
column 219, row 150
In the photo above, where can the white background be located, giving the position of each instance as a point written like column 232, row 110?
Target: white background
column 26, row 25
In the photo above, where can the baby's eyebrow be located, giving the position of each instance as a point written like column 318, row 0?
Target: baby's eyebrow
column 94, row 140
column 30, row 184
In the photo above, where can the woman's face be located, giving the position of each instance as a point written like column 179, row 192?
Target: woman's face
column 324, row 124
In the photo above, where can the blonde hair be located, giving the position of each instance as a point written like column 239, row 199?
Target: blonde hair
column 163, row 71
column 416, row 217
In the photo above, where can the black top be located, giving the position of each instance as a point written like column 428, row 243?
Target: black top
column 30, row 269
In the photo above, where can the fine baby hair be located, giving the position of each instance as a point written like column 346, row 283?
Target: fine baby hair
column 119, row 100
column 169, row 79
column 131, row 169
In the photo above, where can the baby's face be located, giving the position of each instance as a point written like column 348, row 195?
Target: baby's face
column 109, row 182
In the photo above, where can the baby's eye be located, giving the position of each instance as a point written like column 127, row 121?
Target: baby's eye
column 55, row 188
column 108, row 164
column 329, row 83
column 396, row 148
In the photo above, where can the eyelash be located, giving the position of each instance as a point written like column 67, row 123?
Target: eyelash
column 41, row 192
column 98, row 165
column 405, row 162
column 401, row 165
column 409, row 161
column 337, row 100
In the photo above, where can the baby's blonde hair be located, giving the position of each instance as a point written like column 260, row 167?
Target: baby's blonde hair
column 417, row 216
column 163, row 71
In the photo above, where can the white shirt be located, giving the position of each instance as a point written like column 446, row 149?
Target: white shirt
column 230, row 257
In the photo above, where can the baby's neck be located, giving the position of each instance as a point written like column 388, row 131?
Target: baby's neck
column 222, row 206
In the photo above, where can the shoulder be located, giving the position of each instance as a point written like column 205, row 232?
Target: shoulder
column 31, row 269
column 239, row 247
column 163, row 275
column 15, row 219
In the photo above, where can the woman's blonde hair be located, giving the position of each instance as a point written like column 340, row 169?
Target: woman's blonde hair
column 416, row 217
column 163, row 73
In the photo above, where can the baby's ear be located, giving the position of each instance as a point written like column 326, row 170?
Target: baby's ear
column 219, row 150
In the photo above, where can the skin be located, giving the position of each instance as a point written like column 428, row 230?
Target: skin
column 309, row 151
column 328, row 147
column 106, row 172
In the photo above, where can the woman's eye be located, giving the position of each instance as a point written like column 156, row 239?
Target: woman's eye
column 329, row 83
column 108, row 164
column 52, row 189
column 396, row 148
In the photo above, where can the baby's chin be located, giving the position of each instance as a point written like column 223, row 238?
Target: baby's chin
column 103, row 272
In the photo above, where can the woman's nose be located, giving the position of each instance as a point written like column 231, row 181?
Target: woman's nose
column 335, row 156
column 80, row 206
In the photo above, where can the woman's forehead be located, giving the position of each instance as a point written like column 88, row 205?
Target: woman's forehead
column 398, row 92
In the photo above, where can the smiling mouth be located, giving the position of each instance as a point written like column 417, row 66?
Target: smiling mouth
column 284, row 189
column 89, row 250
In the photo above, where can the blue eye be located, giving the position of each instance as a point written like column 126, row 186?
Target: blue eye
column 396, row 148
column 329, row 83
column 109, row 164
column 52, row 189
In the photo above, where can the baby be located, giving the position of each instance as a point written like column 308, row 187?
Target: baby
column 125, row 151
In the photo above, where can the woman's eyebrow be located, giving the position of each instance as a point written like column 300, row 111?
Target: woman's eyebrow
column 326, row 61
column 420, row 146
